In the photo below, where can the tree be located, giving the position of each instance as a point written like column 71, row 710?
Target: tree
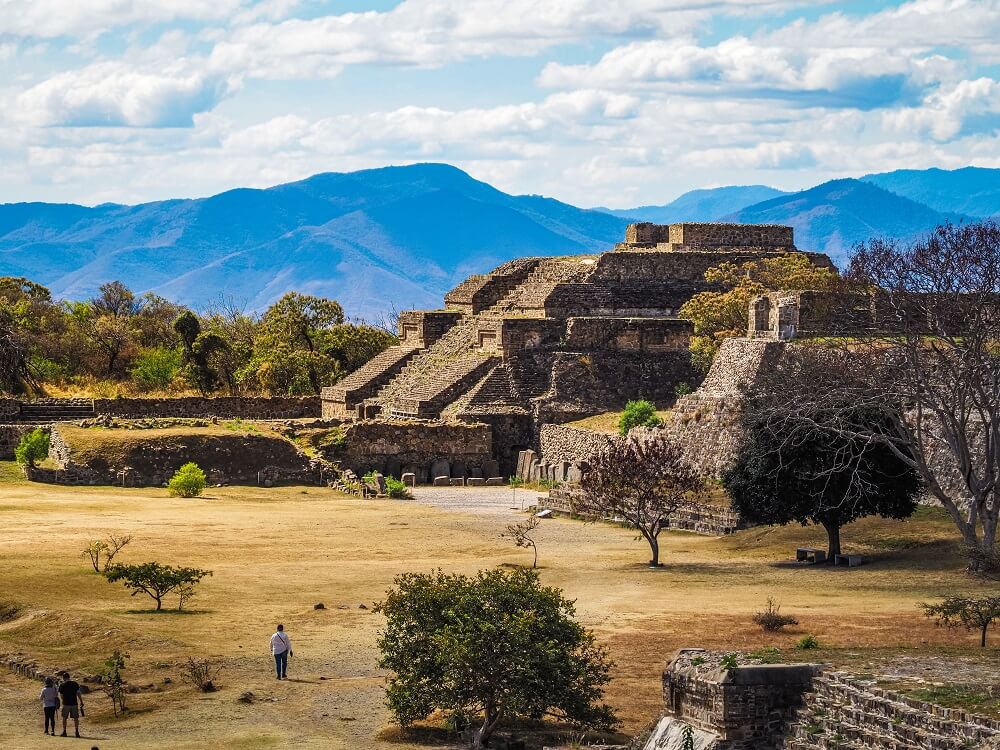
column 33, row 446
column 154, row 579
column 930, row 364
column 351, row 345
column 783, row 474
column 966, row 611
column 107, row 549
column 639, row 413
column 498, row 646
column 722, row 314
column 155, row 368
column 200, row 348
column 641, row 482
column 520, row 534
column 187, row 481
column 113, row 681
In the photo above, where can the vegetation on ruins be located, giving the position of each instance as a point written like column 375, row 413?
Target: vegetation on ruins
column 102, row 552
column 521, row 535
column 969, row 612
column 641, row 482
column 187, row 481
column 32, row 447
column 153, row 579
column 932, row 371
column 395, row 489
column 807, row 643
column 770, row 618
column 492, row 648
column 783, row 474
column 639, row 413
column 119, row 342
column 718, row 315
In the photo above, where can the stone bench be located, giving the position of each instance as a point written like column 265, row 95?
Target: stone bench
column 851, row 561
column 811, row 555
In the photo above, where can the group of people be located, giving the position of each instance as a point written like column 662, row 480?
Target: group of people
column 68, row 695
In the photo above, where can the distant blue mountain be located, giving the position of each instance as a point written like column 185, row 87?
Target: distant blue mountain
column 835, row 216
column 709, row 204
column 973, row 191
column 397, row 236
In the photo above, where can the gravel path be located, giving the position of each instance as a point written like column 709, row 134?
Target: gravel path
column 487, row 501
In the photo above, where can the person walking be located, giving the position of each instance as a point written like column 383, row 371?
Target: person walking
column 72, row 702
column 281, row 649
column 50, row 702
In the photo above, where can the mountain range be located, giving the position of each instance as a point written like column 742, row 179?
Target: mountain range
column 399, row 237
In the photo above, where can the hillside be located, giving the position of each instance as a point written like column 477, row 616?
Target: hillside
column 973, row 191
column 836, row 215
column 398, row 236
column 709, row 204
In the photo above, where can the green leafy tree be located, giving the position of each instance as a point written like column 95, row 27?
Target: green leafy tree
column 32, row 447
column 155, row 368
column 113, row 681
column 200, row 350
column 187, row 481
column 639, row 413
column 722, row 314
column 352, row 345
column 783, row 475
column 498, row 646
column 153, row 579
column 969, row 612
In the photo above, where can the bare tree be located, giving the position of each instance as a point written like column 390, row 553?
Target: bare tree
column 930, row 363
column 106, row 548
column 520, row 534
column 641, row 481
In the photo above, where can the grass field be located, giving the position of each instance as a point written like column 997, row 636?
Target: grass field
column 275, row 553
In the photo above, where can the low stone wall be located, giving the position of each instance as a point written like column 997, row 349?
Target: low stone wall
column 227, row 407
column 559, row 442
column 426, row 449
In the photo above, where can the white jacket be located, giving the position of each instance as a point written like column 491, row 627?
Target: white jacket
column 280, row 643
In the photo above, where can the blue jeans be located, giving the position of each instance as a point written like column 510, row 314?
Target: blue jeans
column 281, row 664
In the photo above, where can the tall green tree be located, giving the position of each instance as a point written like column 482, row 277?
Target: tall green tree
column 493, row 648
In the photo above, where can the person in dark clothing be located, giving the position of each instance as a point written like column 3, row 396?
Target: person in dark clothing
column 72, row 702
column 50, row 702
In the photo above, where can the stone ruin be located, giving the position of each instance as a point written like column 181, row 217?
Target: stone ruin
column 542, row 340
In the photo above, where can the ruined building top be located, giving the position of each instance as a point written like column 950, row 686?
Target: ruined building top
column 707, row 236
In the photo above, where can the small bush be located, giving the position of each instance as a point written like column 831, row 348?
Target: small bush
column 189, row 481
column 767, row 655
column 156, row 368
column 771, row 619
column 9, row 611
column 638, row 414
column 807, row 643
column 201, row 673
column 683, row 389
column 33, row 446
column 729, row 662
column 396, row 489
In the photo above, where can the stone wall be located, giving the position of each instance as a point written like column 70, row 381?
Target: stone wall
column 426, row 449
column 628, row 334
column 418, row 328
column 10, row 436
column 560, row 442
column 716, row 234
column 226, row 407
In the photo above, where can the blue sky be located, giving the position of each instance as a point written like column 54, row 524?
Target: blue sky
column 591, row 101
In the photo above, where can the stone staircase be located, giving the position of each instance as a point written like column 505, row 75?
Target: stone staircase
column 366, row 381
column 44, row 411
column 528, row 297
column 845, row 714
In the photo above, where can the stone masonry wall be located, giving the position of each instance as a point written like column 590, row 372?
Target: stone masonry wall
column 227, row 407
column 10, row 436
column 560, row 442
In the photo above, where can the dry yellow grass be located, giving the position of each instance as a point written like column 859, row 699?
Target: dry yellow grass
column 277, row 552
column 608, row 421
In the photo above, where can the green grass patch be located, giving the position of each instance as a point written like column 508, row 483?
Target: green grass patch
column 966, row 697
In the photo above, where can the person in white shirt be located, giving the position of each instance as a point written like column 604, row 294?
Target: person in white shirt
column 50, row 702
column 281, row 649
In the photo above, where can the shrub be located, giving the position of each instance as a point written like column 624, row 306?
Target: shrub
column 114, row 682
column 638, row 414
column 201, row 673
column 683, row 389
column 729, row 662
column 156, row 368
column 771, row 619
column 807, row 643
column 396, row 489
column 32, row 447
column 189, row 481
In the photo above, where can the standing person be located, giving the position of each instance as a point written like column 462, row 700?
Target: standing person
column 72, row 702
column 281, row 648
column 50, row 702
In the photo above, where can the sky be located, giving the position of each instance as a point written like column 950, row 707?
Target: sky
column 596, row 102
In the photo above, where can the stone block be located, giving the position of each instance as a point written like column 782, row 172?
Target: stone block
column 562, row 471
column 491, row 468
column 409, row 479
column 458, row 468
column 495, row 482
column 442, row 481
column 393, row 468
column 475, row 472
column 458, row 481
column 441, row 468
column 475, row 482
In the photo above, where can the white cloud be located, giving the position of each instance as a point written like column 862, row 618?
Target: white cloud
column 115, row 94
column 945, row 114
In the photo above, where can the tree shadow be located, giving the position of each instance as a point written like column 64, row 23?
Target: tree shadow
column 165, row 612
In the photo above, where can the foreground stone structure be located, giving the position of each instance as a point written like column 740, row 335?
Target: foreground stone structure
column 801, row 707
column 542, row 340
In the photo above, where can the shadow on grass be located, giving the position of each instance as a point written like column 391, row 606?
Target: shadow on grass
column 165, row 612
